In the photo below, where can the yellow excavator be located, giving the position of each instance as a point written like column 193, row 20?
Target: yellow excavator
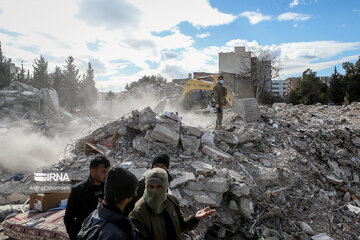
column 199, row 92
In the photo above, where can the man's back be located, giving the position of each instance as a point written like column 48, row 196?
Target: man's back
column 104, row 224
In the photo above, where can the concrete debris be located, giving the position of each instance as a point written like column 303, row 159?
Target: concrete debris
column 247, row 207
column 216, row 153
column 167, row 131
column 20, row 101
column 287, row 182
column 186, row 176
column 306, row 228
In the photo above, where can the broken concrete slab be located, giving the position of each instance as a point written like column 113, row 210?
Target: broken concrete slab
column 268, row 176
column 219, row 185
column 167, row 131
column 190, row 143
column 306, row 228
column 186, row 176
column 193, row 131
column 227, row 137
column 246, row 207
column 216, row 153
column 141, row 145
column 240, row 189
column 201, row 167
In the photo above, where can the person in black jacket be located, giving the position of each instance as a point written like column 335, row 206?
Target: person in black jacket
column 85, row 196
column 110, row 220
column 161, row 160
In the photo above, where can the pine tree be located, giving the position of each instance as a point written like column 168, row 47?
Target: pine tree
column 41, row 77
column 20, row 76
column 57, row 82
column 5, row 75
column 88, row 91
column 337, row 88
column 352, row 80
column 28, row 77
column 71, row 83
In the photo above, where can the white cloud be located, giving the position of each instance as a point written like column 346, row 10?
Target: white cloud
column 356, row 10
column 255, row 17
column 291, row 16
column 294, row 3
column 59, row 29
column 203, row 35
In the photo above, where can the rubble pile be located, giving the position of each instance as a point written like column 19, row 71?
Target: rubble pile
column 294, row 175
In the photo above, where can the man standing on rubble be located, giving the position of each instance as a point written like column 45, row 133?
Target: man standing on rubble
column 157, row 214
column 220, row 101
column 85, row 196
column 161, row 160
column 110, row 220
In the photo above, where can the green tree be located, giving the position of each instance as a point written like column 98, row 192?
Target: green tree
column 5, row 75
column 57, row 82
column 88, row 92
column 41, row 77
column 28, row 77
column 146, row 80
column 337, row 88
column 312, row 90
column 20, row 76
column 352, row 80
column 71, row 83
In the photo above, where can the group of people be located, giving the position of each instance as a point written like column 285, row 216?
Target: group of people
column 113, row 204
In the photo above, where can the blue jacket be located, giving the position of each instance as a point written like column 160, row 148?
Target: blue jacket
column 104, row 224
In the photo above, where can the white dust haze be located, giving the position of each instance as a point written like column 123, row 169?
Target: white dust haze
column 24, row 151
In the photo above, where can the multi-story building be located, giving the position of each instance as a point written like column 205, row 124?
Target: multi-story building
column 242, row 72
column 278, row 87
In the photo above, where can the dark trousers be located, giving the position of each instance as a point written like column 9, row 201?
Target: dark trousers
column 219, row 118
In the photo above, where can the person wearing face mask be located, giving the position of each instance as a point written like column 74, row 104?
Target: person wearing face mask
column 220, row 101
column 161, row 160
column 157, row 214
column 110, row 220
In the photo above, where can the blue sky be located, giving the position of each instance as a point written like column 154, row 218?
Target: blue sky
column 125, row 40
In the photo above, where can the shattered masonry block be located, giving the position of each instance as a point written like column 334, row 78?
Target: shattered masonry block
column 193, row 186
column 247, row 207
column 227, row 137
column 176, row 193
column 141, row 145
column 193, row 131
column 201, row 166
column 268, row 176
column 207, row 200
column 219, row 185
column 236, row 176
column 215, row 153
column 186, row 176
column 163, row 133
column 240, row 189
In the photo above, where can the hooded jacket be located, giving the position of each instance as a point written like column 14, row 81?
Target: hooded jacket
column 104, row 224
column 152, row 226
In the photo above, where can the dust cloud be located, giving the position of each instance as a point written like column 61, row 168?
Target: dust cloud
column 24, row 150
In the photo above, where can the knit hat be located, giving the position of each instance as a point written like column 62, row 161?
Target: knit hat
column 120, row 184
column 161, row 158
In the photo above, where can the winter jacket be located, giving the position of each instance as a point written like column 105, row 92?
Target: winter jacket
column 220, row 94
column 104, row 224
column 83, row 200
column 152, row 226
